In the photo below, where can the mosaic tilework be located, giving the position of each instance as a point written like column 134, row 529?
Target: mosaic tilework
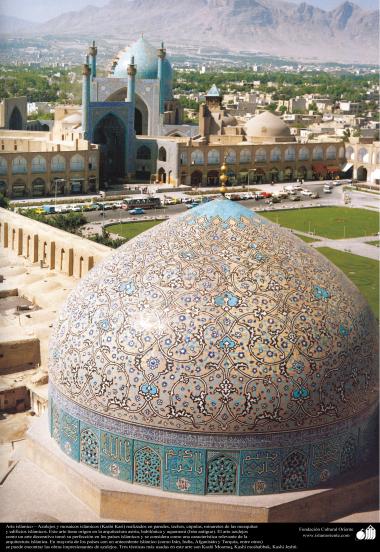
column 116, row 456
column 217, row 322
column 89, row 446
column 69, row 435
column 184, row 470
column 200, row 471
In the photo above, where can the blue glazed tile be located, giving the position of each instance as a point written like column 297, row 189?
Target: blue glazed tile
column 294, row 468
column 147, row 464
column 260, row 471
column 222, row 472
column 184, row 470
column 116, row 455
column 69, row 436
column 324, row 461
column 89, row 445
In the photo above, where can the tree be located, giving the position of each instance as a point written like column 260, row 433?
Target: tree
column 4, row 201
column 346, row 135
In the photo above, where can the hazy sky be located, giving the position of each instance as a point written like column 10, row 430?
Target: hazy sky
column 42, row 10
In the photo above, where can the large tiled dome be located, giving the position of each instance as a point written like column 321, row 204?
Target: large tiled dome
column 146, row 61
column 219, row 330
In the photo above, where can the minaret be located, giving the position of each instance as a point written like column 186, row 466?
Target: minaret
column 131, row 81
column 92, row 52
column 161, row 52
column 86, row 97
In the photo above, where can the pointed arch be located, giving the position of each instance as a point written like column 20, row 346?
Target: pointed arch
column 221, row 475
column 110, row 134
column 147, row 467
column 294, row 471
column 15, row 120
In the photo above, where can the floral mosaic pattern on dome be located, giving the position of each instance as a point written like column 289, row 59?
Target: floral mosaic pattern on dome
column 217, row 322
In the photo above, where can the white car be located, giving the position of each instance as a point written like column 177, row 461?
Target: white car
column 297, row 186
column 289, row 188
column 327, row 190
column 306, row 193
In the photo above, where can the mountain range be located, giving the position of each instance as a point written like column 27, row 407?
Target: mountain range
column 347, row 34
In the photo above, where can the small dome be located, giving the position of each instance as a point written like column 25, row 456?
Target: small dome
column 146, row 61
column 229, row 120
column 267, row 125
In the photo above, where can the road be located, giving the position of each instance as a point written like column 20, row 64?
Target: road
column 335, row 198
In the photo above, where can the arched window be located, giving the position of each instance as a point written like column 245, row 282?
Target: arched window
column 58, row 163
column 213, row 157
column 317, row 153
column 245, row 156
column 92, row 162
column 290, row 154
column 221, row 476
column 275, row 154
column 19, row 165
column 331, row 153
column 77, row 163
column 341, row 152
column 147, row 467
column 231, row 156
column 303, row 154
column 349, row 153
column 260, row 155
column 183, row 157
column 162, row 154
column 38, row 164
column 363, row 156
column 144, row 153
column 294, row 471
column 3, row 165
column 197, row 157
column 89, row 446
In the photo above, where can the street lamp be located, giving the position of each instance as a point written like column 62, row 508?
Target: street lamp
column 223, row 178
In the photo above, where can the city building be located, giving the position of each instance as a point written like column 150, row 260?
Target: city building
column 129, row 128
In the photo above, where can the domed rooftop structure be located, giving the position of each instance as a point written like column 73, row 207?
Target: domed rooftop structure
column 146, row 61
column 268, row 126
column 221, row 342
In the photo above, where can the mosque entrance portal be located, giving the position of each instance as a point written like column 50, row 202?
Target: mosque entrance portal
column 110, row 135
column 15, row 120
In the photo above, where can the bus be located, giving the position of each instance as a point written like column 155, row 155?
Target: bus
column 144, row 202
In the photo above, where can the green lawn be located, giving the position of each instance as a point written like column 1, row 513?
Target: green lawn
column 131, row 229
column 306, row 239
column 363, row 272
column 329, row 222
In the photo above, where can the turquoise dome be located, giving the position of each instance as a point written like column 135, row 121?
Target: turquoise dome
column 146, row 60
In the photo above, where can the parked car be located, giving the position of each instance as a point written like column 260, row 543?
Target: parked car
column 191, row 205
column 327, row 189
column 137, row 211
column 297, row 186
column 266, row 194
column 259, row 196
column 315, row 195
column 276, row 199
column 295, row 198
column 306, row 193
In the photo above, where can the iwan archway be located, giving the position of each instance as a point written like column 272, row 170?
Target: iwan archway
column 110, row 134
